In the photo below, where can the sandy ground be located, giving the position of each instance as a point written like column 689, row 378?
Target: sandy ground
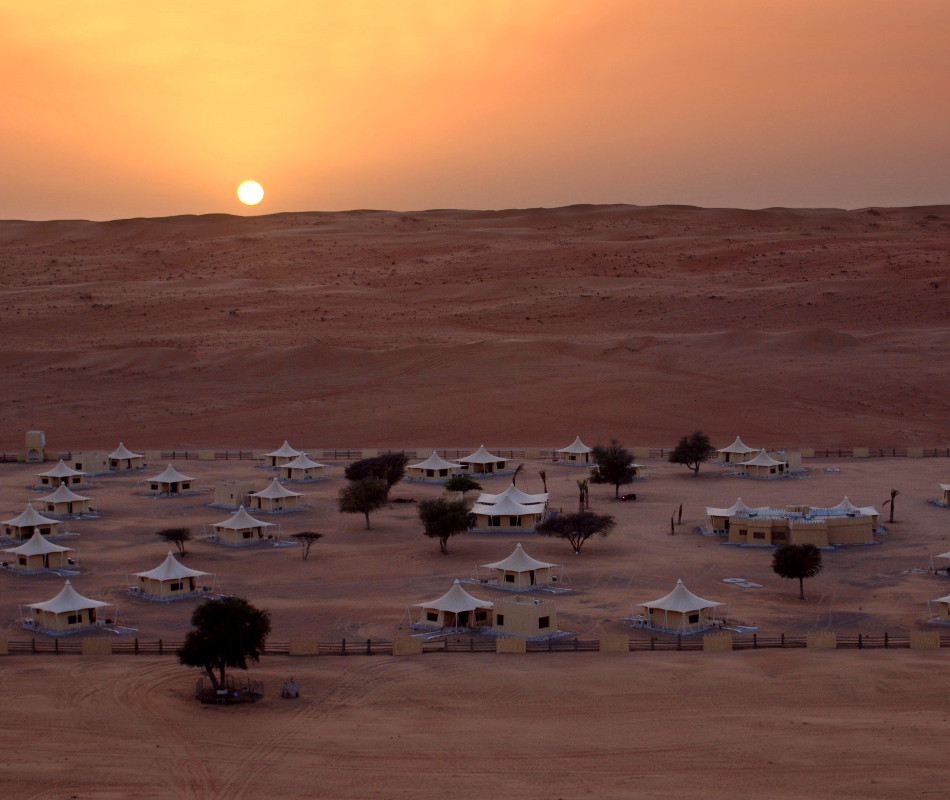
column 438, row 329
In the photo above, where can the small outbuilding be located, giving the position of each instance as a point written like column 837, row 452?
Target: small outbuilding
column 170, row 483
column 575, row 453
column 275, row 498
column 681, row 611
column 944, row 494
column 281, row 455
column 170, row 580
column 434, row 469
column 525, row 617
column 764, row 466
column 520, row 572
column 68, row 612
column 481, row 462
column 241, row 529
column 122, row 459
column 736, row 452
column 38, row 554
column 62, row 475
column 302, row 469
column 64, row 502
column 456, row 610
column 21, row 527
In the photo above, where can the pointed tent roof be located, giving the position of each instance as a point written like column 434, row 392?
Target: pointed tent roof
column 435, row 461
column 123, row 452
column 944, row 486
column 682, row 600
column 761, row 459
column 506, row 506
column 301, row 462
column 456, row 600
column 945, row 599
column 274, row 491
column 37, row 545
column 512, row 493
column 943, row 555
column 738, row 446
column 63, row 494
column 735, row 508
column 481, row 456
column 846, row 507
column 171, row 475
column 171, row 569
column 519, row 561
column 241, row 520
column 30, row 517
column 61, row 470
column 284, row 451
column 577, row 446
column 67, row 600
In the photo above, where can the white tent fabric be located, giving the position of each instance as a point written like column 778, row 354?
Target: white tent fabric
column 506, row 507
column 682, row 600
column 301, row 462
column 736, row 508
column 61, row 470
column 30, row 517
column 577, row 446
column 170, row 569
column 284, row 451
column 275, row 491
column 171, row 475
column 844, row 507
column 738, row 446
column 943, row 555
column 761, row 459
column 481, row 456
column 456, row 600
column 944, row 487
column 945, row 599
column 515, row 494
column 63, row 494
column 519, row 561
column 68, row 600
column 241, row 520
column 122, row 452
column 37, row 545
column 435, row 461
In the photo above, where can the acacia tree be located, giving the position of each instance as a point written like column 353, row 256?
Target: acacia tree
column 362, row 497
column 894, row 493
column 577, row 528
column 226, row 632
column 306, row 539
column 614, row 466
column 390, row 468
column 692, row 451
column 443, row 518
column 797, row 561
column 462, row 484
column 175, row 536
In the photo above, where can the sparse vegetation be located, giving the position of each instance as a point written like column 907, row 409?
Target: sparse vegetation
column 389, row 468
column 306, row 539
column 577, row 528
column 443, row 518
column 176, row 536
column 692, row 451
column 799, row 561
column 614, row 466
column 362, row 497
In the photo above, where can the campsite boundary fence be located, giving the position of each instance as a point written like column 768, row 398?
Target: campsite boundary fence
column 371, row 647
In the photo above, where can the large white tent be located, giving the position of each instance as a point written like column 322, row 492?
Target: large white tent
column 170, row 482
column 241, row 528
column 482, row 462
column 576, row 452
column 282, row 455
column 302, row 468
column 521, row 572
column 737, row 451
column 62, row 474
column 38, row 554
column 434, row 468
column 124, row 459
column 21, row 526
column 274, row 498
column 68, row 612
column 456, row 609
column 64, row 502
column 681, row 611
column 762, row 465
column 170, row 580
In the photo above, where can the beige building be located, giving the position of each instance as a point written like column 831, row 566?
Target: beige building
column 302, row 469
column 170, row 580
column 736, row 452
column 62, row 475
column 434, row 469
column 456, row 610
column 170, row 483
column 64, row 502
column 521, row 572
column 21, row 527
column 233, row 494
column 68, row 612
column 844, row 523
column 575, row 453
column 240, row 529
column 526, row 617
column 513, row 510
column 38, row 554
column 281, row 455
column 944, row 494
column 481, row 462
column 275, row 498
column 122, row 459
column 680, row 611
column 35, row 449
column 943, row 609
column 762, row 465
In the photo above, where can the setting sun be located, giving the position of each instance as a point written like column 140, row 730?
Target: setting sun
column 250, row 193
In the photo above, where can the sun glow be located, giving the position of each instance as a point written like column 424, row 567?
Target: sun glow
column 250, row 193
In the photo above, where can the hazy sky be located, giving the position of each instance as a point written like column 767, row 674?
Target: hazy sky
column 118, row 108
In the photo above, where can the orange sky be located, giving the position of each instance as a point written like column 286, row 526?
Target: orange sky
column 117, row 109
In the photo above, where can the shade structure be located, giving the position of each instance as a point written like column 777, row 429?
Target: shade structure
column 434, row 468
column 762, row 465
column 241, row 528
column 21, row 526
column 302, row 468
column 38, row 554
column 68, row 612
column 275, row 497
column 483, row 462
column 62, row 474
column 282, row 455
column 521, row 571
column 576, row 451
column 455, row 609
column 64, row 502
column 737, row 451
column 170, row 580
column 506, row 514
column 170, row 482
column 681, row 610
column 516, row 495
column 122, row 458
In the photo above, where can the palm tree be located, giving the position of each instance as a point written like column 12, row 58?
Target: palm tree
column 544, row 478
column 518, row 470
column 894, row 493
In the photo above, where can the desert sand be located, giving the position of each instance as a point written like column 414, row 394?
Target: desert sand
column 446, row 329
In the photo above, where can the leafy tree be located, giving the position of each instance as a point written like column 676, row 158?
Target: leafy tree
column 389, row 468
column 362, row 497
column 614, row 466
column 307, row 538
column 226, row 632
column 797, row 561
column 175, row 536
column 463, row 484
column 894, row 493
column 443, row 518
column 577, row 528
column 692, row 451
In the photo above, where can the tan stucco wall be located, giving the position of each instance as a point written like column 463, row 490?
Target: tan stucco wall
column 97, row 647
column 821, row 640
column 614, row 643
column 924, row 640
column 717, row 643
column 304, row 647
column 407, row 646
column 505, row 644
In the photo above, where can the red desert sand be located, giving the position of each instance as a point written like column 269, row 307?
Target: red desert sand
column 791, row 328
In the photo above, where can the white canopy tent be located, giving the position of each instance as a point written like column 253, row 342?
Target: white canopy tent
column 22, row 526
column 515, row 494
column 762, row 465
column 61, row 474
column 576, row 452
column 482, row 462
column 302, row 468
column 170, row 580
column 241, row 528
column 455, row 610
column 38, row 554
column 521, row 572
column 737, row 451
column 681, row 611
column 124, row 459
column 170, row 482
column 274, row 497
column 282, row 455
column 64, row 502
column 433, row 468
column 507, row 514
column 68, row 612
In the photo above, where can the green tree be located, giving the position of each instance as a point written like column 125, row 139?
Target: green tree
column 306, row 539
column 692, row 451
column 463, row 484
column 226, row 633
column 799, row 561
column 577, row 528
column 362, row 497
column 390, row 468
column 176, row 536
column 894, row 493
column 614, row 466
column 443, row 518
